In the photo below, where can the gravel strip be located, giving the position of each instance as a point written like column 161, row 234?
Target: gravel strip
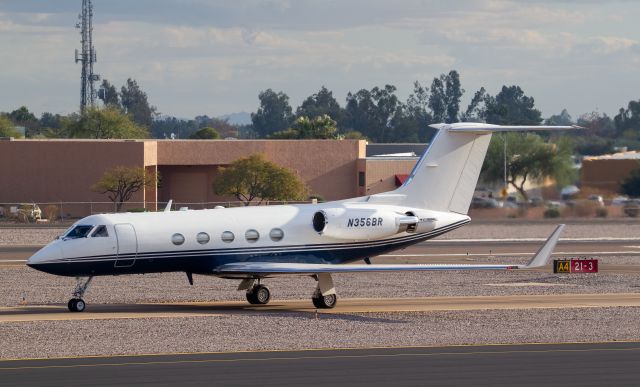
column 270, row 331
column 22, row 284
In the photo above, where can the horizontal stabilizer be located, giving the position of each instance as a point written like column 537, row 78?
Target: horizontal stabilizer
column 273, row 268
column 262, row 269
column 479, row 128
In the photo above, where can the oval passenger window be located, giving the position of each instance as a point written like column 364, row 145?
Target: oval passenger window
column 251, row 236
column 227, row 237
column 203, row 238
column 177, row 239
column 276, row 235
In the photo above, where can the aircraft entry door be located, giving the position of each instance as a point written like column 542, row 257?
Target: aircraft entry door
column 127, row 245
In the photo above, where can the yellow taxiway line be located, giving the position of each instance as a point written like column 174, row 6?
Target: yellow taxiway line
column 353, row 305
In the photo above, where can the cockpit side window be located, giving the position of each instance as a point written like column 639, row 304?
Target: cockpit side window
column 101, row 231
column 79, row 231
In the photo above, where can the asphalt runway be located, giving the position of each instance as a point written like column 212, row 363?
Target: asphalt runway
column 586, row 364
column 348, row 306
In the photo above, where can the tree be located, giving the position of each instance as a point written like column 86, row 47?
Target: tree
column 631, row 185
column 134, row 102
column 529, row 158
column 120, row 183
column 6, row 128
column 107, row 122
column 23, row 117
column 477, row 108
column 371, row 112
column 627, row 121
column 598, row 124
column 321, row 103
column 223, row 127
column 55, row 125
column 254, row 177
column 511, row 107
column 416, row 119
column 321, row 127
column 109, row 94
column 354, row 135
column 562, row 119
column 275, row 113
column 445, row 97
column 205, row 134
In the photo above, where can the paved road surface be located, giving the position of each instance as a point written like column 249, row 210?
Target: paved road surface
column 358, row 305
column 507, row 365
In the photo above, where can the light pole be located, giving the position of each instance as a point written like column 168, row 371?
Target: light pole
column 504, row 152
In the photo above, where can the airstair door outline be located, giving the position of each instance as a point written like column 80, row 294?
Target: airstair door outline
column 127, row 245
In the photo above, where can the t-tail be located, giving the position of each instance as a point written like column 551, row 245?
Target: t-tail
column 446, row 175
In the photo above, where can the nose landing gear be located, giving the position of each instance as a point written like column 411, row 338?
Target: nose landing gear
column 77, row 304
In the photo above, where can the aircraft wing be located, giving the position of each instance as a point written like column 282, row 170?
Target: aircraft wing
column 541, row 258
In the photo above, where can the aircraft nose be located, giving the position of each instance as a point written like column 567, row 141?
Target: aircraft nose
column 46, row 254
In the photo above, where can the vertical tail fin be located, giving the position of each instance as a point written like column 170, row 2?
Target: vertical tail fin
column 447, row 173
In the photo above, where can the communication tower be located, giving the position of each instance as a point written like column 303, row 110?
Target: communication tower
column 87, row 56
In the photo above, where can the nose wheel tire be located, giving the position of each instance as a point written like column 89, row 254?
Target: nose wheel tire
column 325, row 302
column 259, row 295
column 76, row 305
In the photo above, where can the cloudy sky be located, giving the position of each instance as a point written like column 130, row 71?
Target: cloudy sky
column 214, row 57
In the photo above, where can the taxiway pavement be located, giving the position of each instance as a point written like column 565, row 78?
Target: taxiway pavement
column 584, row 364
column 357, row 305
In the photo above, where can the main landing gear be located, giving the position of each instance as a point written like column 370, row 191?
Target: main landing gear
column 256, row 294
column 324, row 297
column 77, row 304
column 324, row 302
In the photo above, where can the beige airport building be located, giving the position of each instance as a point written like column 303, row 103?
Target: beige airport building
column 49, row 172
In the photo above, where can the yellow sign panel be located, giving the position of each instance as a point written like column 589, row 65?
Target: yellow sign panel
column 563, row 267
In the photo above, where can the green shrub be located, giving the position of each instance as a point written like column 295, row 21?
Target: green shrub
column 551, row 213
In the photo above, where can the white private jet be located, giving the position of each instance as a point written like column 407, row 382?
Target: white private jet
column 253, row 243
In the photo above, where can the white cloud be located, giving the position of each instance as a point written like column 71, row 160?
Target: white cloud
column 221, row 55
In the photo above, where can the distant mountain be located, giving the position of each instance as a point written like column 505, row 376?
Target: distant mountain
column 241, row 118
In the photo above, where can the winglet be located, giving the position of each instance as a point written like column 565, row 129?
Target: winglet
column 544, row 254
column 168, row 207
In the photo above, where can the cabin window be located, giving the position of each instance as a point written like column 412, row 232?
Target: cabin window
column 251, row 236
column 177, row 239
column 276, row 235
column 80, row 231
column 203, row 238
column 227, row 237
column 101, row 232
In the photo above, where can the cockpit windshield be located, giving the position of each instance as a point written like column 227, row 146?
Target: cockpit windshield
column 79, row 231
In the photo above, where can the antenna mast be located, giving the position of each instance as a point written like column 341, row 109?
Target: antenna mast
column 87, row 57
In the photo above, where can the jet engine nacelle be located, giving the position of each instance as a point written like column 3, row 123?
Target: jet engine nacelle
column 360, row 224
